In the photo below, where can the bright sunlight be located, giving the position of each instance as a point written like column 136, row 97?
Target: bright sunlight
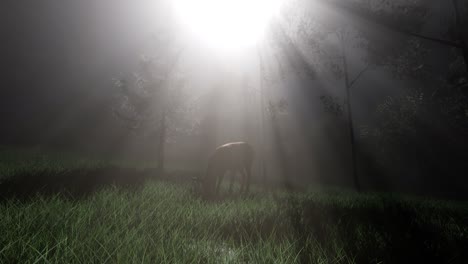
column 227, row 24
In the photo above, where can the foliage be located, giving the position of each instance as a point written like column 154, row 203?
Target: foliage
column 397, row 119
column 332, row 105
column 422, row 131
column 409, row 63
column 154, row 92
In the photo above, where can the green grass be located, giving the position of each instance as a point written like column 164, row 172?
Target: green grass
column 161, row 223
column 15, row 161
column 166, row 222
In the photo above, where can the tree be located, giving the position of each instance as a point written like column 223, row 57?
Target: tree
column 389, row 31
column 152, row 99
column 424, row 127
column 319, row 33
column 406, row 18
column 269, row 112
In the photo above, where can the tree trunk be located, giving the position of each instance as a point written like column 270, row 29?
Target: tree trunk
column 162, row 145
column 281, row 154
column 461, row 33
column 262, row 132
column 350, row 115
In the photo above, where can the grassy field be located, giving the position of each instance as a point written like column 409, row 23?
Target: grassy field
column 161, row 221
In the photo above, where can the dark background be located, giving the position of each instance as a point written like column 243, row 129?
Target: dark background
column 58, row 59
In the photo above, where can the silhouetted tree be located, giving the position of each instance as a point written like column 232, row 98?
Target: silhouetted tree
column 391, row 34
column 328, row 41
column 424, row 127
column 152, row 99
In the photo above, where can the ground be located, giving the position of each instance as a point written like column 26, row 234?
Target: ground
column 160, row 220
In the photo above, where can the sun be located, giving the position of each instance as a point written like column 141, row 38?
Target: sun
column 226, row 24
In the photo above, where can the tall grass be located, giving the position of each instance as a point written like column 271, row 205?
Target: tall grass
column 165, row 223
column 159, row 224
column 14, row 161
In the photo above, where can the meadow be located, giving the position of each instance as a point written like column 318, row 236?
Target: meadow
column 162, row 220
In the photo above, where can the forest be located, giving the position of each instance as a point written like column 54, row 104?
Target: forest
column 281, row 131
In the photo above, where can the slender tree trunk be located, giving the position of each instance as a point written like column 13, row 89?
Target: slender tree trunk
column 461, row 33
column 262, row 132
column 350, row 115
column 162, row 145
column 165, row 109
column 246, row 109
column 465, row 57
column 280, row 150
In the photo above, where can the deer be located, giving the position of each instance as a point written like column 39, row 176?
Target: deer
column 234, row 157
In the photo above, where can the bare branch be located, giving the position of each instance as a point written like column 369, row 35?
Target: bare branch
column 359, row 75
column 369, row 19
column 437, row 40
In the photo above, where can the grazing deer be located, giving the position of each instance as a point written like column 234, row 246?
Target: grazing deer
column 235, row 157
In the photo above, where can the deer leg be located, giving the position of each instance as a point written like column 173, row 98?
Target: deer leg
column 242, row 176
column 232, row 175
column 247, row 178
column 218, row 183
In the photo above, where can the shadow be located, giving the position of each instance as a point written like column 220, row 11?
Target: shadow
column 223, row 197
column 392, row 232
column 74, row 184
